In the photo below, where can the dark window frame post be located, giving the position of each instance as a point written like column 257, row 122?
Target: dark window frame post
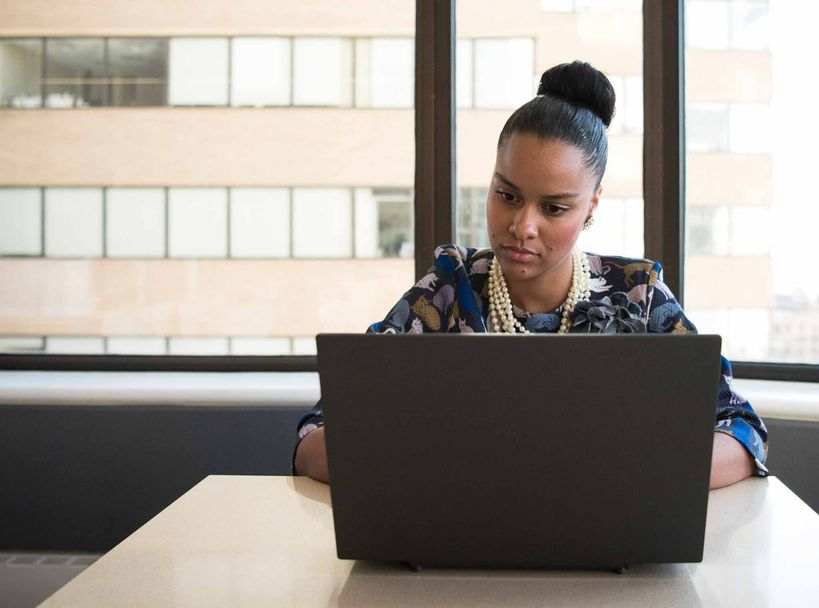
column 664, row 138
column 434, row 128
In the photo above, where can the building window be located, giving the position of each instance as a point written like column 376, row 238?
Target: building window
column 259, row 222
column 73, row 222
column 138, row 70
column 322, row 72
column 727, row 24
column 322, row 223
column 20, row 221
column 198, row 72
column 385, row 72
column 197, row 219
column 260, row 72
column 504, row 72
column 135, row 222
column 383, row 223
column 75, row 73
column 21, row 68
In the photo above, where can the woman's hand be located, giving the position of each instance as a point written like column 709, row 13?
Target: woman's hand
column 730, row 462
column 311, row 456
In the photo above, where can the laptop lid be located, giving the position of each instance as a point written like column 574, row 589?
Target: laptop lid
column 512, row 451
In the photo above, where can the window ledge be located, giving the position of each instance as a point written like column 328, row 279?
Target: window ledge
column 159, row 388
column 781, row 400
column 771, row 399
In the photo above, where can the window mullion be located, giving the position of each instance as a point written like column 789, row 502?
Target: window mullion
column 434, row 128
column 664, row 138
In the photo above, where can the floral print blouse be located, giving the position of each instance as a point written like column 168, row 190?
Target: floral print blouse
column 627, row 295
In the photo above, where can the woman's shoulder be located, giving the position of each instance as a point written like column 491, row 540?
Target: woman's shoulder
column 629, row 270
column 451, row 257
column 635, row 277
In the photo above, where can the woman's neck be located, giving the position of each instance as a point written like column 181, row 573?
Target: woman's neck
column 544, row 293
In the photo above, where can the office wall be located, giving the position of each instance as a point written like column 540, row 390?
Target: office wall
column 84, row 478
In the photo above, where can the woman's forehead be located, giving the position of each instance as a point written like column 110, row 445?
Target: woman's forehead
column 529, row 162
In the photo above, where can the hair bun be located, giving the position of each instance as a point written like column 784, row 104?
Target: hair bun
column 579, row 84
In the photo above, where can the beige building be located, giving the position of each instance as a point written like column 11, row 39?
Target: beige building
column 234, row 177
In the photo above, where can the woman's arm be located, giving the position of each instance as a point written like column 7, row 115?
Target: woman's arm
column 311, row 456
column 730, row 461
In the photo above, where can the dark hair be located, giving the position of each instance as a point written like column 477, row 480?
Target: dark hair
column 574, row 104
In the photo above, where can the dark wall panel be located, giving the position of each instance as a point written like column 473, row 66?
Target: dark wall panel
column 84, row 478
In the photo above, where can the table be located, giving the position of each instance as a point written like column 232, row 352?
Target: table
column 268, row 541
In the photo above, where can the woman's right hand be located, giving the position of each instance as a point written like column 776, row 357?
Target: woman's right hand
column 311, row 456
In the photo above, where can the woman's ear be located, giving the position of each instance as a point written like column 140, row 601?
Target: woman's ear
column 595, row 199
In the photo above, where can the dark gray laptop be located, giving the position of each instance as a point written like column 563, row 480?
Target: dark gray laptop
column 511, row 451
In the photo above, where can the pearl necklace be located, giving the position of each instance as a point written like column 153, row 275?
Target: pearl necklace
column 501, row 317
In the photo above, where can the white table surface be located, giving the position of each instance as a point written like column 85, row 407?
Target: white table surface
column 268, row 541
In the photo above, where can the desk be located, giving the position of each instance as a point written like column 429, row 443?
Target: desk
column 268, row 541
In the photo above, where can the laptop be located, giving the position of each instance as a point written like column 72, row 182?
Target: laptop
column 504, row 451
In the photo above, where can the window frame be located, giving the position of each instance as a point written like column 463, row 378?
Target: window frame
column 435, row 196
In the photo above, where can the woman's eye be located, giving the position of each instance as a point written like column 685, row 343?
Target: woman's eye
column 550, row 209
column 507, row 196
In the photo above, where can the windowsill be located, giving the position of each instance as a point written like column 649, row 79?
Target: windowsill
column 246, row 389
column 771, row 399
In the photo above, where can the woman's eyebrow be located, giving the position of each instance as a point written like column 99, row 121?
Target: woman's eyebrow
column 545, row 197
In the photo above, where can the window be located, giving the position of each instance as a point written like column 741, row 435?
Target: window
column 750, row 219
column 383, row 223
column 73, row 222
column 21, row 68
column 197, row 220
column 260, row 222
column 76, row 74
column 385, row 70
column 20, row 221
column 327, row 85
column 260, row 72
column 504, row 74
column 242, row 71
column 138, row 71
column 198, row 72
column 322, row 223
column 135, row 222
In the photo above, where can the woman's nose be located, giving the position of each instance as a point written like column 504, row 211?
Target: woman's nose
column 524, row 223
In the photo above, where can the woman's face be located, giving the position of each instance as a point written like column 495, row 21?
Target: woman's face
column 540, row 196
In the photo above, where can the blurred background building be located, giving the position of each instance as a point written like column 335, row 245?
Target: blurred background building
column 235, row 177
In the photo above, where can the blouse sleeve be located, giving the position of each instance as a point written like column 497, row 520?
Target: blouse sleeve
column 734, row 416
column 426, row 307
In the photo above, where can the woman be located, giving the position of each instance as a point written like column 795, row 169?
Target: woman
column 550, row 162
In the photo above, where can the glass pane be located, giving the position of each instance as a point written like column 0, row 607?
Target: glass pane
column 496, row 74
column 322, row 223
column 504, row 75
column 750, row 165
column 260, row 72
column 335, row 86
column 75, row 73
column 73, row 222
column 21, row 67
column 20, row 221
column 135, row 222
column 139, row 71
column 198, row 73
column 260, row 222
column 240, row 230
column 197, row 222
column 385, row 72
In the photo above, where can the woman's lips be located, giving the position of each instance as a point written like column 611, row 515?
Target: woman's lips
column 517, row 254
